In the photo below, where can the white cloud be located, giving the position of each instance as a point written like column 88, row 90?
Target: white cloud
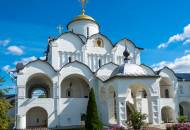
column 187, row 51
column 4, row 42
column 42, row 57
column 186, row 42
column 183, row 37
column 7, row 68
column 181, row 64
column 15, row 50
column 26, row 60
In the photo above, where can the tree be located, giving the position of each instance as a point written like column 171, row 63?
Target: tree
column 92, row 121
column 4, row 106
column 4, row 119
column 136, row 120
column 2, row 92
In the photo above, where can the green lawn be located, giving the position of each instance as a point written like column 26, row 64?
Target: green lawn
column 74, row 129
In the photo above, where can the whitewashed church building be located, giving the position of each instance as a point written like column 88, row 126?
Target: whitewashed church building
column 54, row 92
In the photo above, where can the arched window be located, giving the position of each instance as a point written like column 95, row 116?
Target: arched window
column 68, row 92
column 70, row 59
column 99, row 42
column 166, row 93
column 181, row 110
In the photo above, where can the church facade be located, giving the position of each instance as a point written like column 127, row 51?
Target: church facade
column 54, row 92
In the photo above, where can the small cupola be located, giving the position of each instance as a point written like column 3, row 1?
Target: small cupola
column 126, row 55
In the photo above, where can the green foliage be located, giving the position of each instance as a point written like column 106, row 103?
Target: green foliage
column 1, row 80
column 92, row 121
column 136, row 120
column 2, row 91
column 42, row 96
column 182, row 119
column 169, row 128
column 4, row 120
column 4, row 107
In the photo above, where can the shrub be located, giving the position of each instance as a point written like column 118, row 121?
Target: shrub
column 136, row 120
column 92, row 121
column 4, row 119
column 182, row 119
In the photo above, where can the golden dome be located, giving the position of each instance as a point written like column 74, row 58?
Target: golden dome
column 83, row 17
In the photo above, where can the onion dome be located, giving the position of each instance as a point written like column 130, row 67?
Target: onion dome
column 83, row 17
column 83, row 24
column 126, row 54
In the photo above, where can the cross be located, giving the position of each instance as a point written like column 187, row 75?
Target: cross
column 83, row 2
column 60, row 29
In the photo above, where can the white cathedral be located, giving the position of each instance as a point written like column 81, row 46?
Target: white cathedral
column 54, row 92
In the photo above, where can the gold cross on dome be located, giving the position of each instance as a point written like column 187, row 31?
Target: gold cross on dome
column 83, row 2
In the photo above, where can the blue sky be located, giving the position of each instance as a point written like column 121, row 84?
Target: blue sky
column 161, row 27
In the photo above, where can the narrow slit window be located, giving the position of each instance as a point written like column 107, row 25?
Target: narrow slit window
column 99, row 63
column 87, row 32
column 70, row 59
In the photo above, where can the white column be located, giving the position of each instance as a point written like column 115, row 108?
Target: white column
column 154, row 110
column 121, row 111
column 21, row 122
column 88, row 63
column 94, row 62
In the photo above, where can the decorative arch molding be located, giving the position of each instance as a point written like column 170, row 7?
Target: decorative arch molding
column 100, row 35
column 167, row 72
column 42, row 106
column 39, row 81
column 128, row 41
column 36, row 117
column 134, row 93
column 183, row 99
column 68, row 40
column 75, row 86
column 71, row 33
column 168, row 106
column 100, row 74
column 168, row 114
column 77, row 68
column 148, row 69
column 37, row 67
column 142, row 85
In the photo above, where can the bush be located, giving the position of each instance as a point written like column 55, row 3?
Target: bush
column 136, row 120
column 182, row 119
column 92, row 121
column 4, row 120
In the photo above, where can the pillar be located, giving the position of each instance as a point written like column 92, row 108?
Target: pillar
column 20, row 122
column 121, row 103
column 154, row 110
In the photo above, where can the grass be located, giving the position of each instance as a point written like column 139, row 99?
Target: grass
column 74, row 129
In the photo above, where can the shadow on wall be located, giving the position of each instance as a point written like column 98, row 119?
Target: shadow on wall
column 72, row 111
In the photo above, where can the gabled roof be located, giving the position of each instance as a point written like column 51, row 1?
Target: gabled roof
column 183, row 76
